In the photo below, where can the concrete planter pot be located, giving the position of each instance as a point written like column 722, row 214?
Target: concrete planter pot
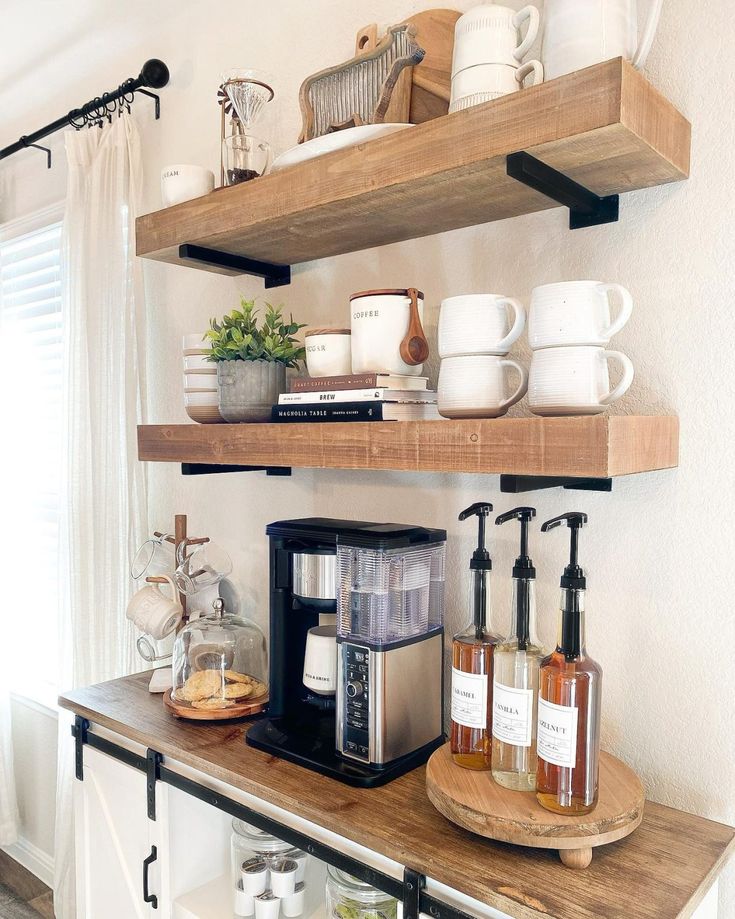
column 249, row 389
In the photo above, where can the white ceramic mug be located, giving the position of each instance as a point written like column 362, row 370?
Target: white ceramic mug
column 328, row 352
column 182, row 183
column 320, row 660
column 153, row 612
column 576, row 313
column 478, row 324
column 474, row 386
column 575, row 380
column 379, row 321
column 486, row 82
column 490, row 34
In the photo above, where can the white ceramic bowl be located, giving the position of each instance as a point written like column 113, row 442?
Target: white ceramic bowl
column 328, row 352
column 198, row 361
column 194, row 343
column 202, row 380
column 209, row 398
column 204, row 414
column 183, row 182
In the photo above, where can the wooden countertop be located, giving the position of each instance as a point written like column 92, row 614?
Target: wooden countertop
column 662, row 871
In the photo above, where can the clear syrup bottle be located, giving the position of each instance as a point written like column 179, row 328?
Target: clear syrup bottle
column 570, row 691
column 516, row 675
column 472, row 661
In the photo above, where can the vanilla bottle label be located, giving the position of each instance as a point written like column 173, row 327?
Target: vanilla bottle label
column 512, row 715
column 469, row 699
column 556, row 740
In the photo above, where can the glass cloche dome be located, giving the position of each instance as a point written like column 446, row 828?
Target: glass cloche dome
column 219, row 661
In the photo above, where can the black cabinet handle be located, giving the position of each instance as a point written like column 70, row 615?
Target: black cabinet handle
column 147, row 862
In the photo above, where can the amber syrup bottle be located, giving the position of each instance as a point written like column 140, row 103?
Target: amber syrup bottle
column 570, row 689
column 472, row 661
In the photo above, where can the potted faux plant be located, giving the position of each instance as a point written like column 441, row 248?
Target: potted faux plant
column 252, row 360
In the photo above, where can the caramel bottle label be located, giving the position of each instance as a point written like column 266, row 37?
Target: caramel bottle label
column 469, row 699
column 512, row 715
column 556, row 740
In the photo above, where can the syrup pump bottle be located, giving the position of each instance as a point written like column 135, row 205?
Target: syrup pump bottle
column 472, row 661
column 516, row 673
column 570, row 690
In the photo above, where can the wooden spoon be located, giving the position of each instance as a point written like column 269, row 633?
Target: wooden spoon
column 414, row 347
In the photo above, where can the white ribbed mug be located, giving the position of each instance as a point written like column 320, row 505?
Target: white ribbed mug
column 486, row 82
column 575, row 380
column 575, row 313
column 479, row 324
column 490, row 34
column 474, row 386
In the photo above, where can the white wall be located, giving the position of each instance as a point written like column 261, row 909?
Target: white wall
column 658, row 550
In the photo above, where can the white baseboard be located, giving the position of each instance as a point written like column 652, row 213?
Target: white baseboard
column 33, row 859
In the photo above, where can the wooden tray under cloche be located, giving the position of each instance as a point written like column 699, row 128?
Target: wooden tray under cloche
column 236, row 710
column 475, row 802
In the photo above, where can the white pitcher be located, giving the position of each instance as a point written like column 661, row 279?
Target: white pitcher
column 579, row 33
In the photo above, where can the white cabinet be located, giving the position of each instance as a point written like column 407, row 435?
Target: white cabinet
column 113, row 838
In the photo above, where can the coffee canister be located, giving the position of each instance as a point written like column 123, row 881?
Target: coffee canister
column 380, row 322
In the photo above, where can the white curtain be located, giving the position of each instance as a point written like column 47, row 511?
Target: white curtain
column 103, row 488
column 8, row 801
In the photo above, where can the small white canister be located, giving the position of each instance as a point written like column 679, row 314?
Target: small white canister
column 328, row 352
column 380, row 322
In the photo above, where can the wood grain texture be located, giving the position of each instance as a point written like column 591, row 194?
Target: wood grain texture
column 604, row 126
column 661, row 871
column 475, row 802
column 432, row 78
column 597, row 446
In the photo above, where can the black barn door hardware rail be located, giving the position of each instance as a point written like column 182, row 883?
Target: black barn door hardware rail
column 411, row 890
column 154, row 74
column 273, row 275
column 586, row 209
column 516, row 484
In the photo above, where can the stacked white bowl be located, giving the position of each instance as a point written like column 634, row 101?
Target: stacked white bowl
column 201, row 398
column 475, row 335
column 570, row 325
column 488, row 50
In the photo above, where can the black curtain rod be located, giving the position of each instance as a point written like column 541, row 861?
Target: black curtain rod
column 153, row 74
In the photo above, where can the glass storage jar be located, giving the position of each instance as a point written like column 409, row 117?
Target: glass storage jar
column 219, row 660
column 350, row 898
column 254, row 852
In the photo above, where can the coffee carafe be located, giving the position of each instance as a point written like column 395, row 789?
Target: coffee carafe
column 580, row 33
column 366, row 706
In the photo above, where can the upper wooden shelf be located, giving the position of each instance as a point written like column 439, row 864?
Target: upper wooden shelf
column 588, row 447
column 605, row 127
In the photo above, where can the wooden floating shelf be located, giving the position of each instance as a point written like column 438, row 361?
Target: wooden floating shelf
column 599, row 446
column 605, row 127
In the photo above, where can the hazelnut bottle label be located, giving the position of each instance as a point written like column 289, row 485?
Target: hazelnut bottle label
column 469, row 699
column 556, row 740
column 512, row 715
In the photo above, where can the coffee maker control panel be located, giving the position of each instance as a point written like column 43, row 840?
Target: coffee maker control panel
column 355, row 727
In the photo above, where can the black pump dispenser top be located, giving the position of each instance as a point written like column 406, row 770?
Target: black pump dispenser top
column 480, row 557
column 573, row 583
column 573, row 577
column 524, row 572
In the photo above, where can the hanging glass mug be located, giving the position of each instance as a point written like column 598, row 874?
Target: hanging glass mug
column 207, row 565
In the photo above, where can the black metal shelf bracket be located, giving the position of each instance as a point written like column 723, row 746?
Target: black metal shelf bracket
column 216, row 469
column 515, row 484
column 586, row 209
column 274, row 275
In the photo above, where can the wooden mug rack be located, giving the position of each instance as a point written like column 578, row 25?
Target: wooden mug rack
column 179, row 539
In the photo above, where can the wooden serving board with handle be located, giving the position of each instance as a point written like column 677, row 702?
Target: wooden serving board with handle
column 475, row 802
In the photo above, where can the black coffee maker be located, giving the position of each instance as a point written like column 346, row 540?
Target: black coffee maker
column 364, row 724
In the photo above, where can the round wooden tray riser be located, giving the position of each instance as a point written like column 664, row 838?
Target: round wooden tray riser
column 475, row 802
column 239, row 710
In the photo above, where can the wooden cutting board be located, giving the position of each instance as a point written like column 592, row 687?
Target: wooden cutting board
column 475, row 802
column 427, row 96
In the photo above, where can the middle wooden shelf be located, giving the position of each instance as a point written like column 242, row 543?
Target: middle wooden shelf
column 596, row 446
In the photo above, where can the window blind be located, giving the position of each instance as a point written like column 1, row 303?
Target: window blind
column 30, row 459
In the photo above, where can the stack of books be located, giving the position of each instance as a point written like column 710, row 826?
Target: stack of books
column 357, row 397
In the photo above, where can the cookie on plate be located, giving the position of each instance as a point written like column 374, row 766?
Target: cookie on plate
column 232, row 676
column 211, row 704
column 202, row 685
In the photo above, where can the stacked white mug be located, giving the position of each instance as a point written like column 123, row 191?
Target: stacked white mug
column 201, row 397
column 488, row 50
column 475, row 336
column 569, row 328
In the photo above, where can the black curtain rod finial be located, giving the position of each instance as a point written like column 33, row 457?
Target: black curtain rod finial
column 154, row 73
